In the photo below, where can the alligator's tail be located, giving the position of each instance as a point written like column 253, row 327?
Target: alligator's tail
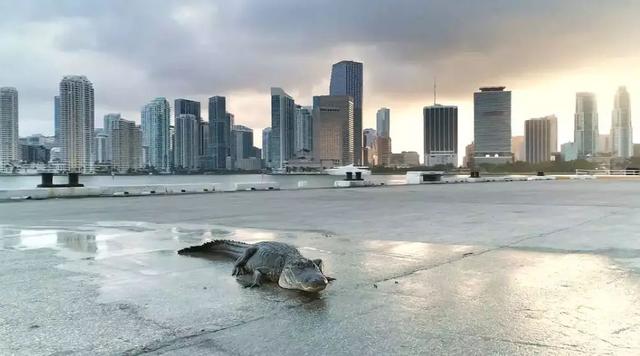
column 230, row 248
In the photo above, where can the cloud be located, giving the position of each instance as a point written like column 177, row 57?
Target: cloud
column 136, row 50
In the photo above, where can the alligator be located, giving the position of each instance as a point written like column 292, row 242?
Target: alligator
column 267, row 261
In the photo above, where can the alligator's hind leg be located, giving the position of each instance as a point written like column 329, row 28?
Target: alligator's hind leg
column 249, row 282
column 238, row 267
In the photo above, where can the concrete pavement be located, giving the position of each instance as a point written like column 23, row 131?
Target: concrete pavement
column 526, row 268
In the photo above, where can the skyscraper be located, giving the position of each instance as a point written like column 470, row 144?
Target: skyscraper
column 492, row 125
column 100, row 146
column 346, row 79
column 219, row 132
column 586, row 125
column 76, row 123
column 333, row 118
column 186, row 146
column 126, row 146
column 242, row 142
column 383, row 119
column 109, row 122
column 540, row 138
column 440, row 135
column 156, row 121
column 303, row 131
column 266, row 139
column 9, row 148
column 186, row 106
column 56, row 118
column 621, row 130
column 282, row 128
column 369, row 149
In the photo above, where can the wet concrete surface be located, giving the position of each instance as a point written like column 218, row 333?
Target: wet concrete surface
column 544, row 282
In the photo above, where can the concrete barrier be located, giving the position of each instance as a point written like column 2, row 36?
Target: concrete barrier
column 108, row 191
column 351, row 183
column 257, row 186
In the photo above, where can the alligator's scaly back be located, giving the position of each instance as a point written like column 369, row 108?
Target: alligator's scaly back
column 230, row 248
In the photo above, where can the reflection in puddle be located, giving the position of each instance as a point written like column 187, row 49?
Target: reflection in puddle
column 77, row 241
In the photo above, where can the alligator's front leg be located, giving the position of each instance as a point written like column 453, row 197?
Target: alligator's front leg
column 255, row 281
column 238, row 267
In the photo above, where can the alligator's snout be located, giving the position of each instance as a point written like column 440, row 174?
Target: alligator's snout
column 315, row 283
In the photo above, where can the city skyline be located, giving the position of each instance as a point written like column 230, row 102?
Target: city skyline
column 489, row 57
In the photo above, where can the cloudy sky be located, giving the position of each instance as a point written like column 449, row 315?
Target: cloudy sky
column 134, row 50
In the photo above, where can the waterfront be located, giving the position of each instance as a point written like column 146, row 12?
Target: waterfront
column 227, row 180
column 508, row 268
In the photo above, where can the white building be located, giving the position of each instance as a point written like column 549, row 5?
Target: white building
column 76, row 123
column 621, row 130
column 9, row 148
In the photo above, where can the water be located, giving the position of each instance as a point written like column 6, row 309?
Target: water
column 286, row 181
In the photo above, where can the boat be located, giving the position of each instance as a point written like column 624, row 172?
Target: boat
column 343, row 170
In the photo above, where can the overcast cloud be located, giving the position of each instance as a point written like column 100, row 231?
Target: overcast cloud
column 135, row 50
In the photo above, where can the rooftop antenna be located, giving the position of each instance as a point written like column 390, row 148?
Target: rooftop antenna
column 434, row 91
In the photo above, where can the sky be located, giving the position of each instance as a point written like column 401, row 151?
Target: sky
column 544, row 51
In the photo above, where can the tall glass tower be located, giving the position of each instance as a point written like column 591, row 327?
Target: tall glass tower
column 346, row 79
column 282, row 128
column 586, row 125
column 621, row 130
column 156, row 120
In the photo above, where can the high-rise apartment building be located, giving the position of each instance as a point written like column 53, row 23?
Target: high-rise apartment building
column 347, row 79
column 242, row 142
column 156, row 122
column 186, row 142
column 77, row 123
column 109, row 122
column 540, row 139
column 56, row 118
column 126, row 146
column 100, row 146
column 266, row 139
column 282, row 128
column 621, row 129
column 492, row 125
column 9, row 144
column 383, row 121
column 333, row 120
column 303, row 131
column 440, row 135
column 586, row 125
column 219, row 132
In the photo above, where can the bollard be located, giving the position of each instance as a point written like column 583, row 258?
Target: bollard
column 47, row 180
column 74, row 180
column 349, row 175
column 540, row 174
column 475, row 174
column 358, row 175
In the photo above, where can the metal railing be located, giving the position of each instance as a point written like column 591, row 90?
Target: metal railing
column 608, row 172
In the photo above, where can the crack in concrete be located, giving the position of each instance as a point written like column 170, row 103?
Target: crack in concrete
column 491, row 249
column 158, row 346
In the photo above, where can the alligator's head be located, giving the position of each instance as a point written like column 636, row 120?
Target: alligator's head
column 303, row 274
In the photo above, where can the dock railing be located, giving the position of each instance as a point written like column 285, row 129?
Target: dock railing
column 608, row 172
